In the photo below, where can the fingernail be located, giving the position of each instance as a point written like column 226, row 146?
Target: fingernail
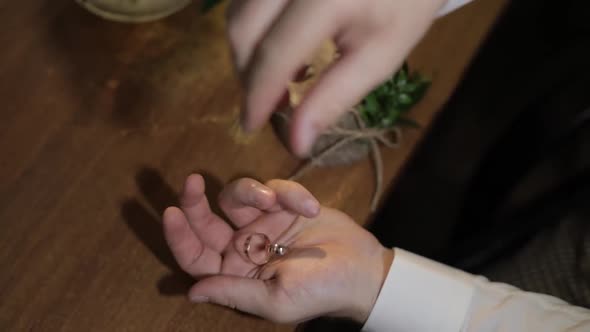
column 260, row 199
column 199, row 299
column 311, row 207
column 264, row 190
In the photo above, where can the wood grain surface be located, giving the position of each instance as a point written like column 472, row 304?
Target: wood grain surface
column 101, row 122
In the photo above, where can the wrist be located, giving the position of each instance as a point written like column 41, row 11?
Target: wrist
column 378, row 274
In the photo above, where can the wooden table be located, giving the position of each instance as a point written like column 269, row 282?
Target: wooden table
column 100, row 124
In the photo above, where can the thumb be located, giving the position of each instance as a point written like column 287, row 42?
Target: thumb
column 253, row 296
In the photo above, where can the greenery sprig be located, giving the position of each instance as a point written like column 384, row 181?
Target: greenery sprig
column 387, row 105
column 206, row 5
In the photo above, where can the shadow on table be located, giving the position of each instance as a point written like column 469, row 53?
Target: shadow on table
column 145, row 222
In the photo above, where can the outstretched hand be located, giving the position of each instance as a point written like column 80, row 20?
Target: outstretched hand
column 334, row 267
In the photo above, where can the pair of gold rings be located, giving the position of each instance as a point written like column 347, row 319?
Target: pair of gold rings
column 260, row 250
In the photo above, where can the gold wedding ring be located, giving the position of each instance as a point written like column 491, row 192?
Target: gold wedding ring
column 260, row 250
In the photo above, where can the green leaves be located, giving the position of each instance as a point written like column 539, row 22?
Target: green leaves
column 209, row 4
column 371, row 104
column 385, row 106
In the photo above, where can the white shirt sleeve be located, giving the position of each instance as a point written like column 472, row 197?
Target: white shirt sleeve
column 452, row 5
column 423, row 295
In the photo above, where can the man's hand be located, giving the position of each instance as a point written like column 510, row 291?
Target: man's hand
column 334, row 267
column 272, row 40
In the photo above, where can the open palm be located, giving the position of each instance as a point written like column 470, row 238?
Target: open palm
column 333, row 267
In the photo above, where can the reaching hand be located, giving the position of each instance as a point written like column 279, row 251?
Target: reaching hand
column 333, row 267
column 272, row 39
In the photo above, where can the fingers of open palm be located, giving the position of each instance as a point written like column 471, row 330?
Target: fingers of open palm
column 210, row 228
column 298, row 31
column 242, row 200
column 247, row 22
column 253, row 296
column 338, row 90
column 290, row 200
column 188, row 250
column 294, row 197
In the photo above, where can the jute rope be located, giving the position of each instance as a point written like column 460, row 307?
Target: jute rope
column 389, row 137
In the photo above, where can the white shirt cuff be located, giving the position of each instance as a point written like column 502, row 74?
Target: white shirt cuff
column 451, row 5
column 421, row 295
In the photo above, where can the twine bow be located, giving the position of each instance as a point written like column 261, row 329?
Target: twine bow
column 389, row 137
